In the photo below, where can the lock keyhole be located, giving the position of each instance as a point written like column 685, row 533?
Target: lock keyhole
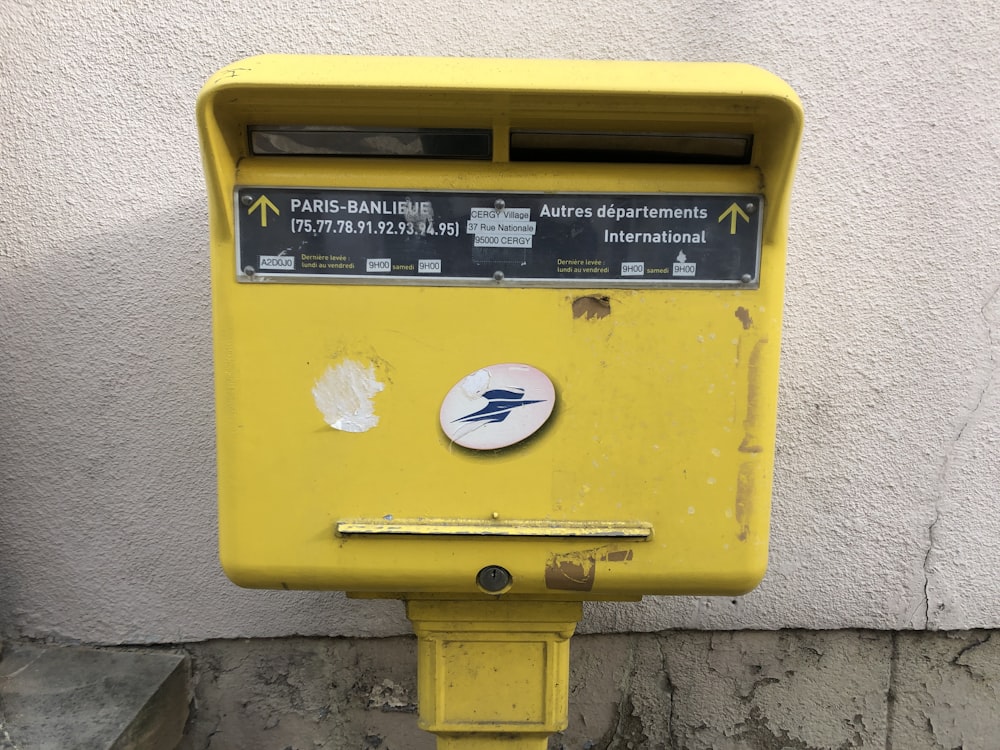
column 493, row 579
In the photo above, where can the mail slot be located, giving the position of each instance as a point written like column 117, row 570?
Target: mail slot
column 496, row 326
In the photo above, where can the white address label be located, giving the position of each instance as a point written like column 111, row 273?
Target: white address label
column 685, row 269
column 276, row 262
column 633, row 269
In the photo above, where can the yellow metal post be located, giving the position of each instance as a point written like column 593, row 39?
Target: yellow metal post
column 493, row 673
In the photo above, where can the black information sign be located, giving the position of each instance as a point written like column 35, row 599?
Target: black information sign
column 431, row 238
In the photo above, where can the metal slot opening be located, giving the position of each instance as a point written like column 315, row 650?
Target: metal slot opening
column 517, row 528
column 631, row 148
column 406, row 143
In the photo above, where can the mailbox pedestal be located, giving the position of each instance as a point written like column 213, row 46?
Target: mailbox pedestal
column 493, row 674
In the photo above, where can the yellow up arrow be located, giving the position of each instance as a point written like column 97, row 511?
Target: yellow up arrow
column 732, row 212
column 263, row 204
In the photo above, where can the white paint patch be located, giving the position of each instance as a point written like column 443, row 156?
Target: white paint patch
column 475, row 385
column 344, row 396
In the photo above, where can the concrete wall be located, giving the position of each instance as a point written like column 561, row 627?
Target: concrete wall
column 788, row 690
column 885, row 513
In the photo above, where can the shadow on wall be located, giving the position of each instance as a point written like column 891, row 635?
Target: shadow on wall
column 109, row 519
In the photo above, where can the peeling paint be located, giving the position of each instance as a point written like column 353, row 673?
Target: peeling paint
column 622, row 555
column 592, row 306
column 751, row 442
column 575, row 571
column 344, row 395
column 744, row 317
column 390, row 697
column 476, row 384
column 744, row 499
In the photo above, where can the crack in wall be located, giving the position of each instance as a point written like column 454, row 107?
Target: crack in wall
column 228, row 670
column 670, row 689
column 627, row 729
column 890, row 693
column 216, row 728
column 971, row 647
column 751, row 696
column 940, row 498
column 967, row 668
column 930, row 547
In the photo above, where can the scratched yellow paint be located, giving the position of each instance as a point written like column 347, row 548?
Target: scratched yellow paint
column 666, row 406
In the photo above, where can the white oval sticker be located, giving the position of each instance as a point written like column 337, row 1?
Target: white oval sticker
column 497, row 406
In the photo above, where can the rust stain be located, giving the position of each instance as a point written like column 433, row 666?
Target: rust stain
column 745, row 481
column 592, row 306
column 751, row 442
column 744, row 317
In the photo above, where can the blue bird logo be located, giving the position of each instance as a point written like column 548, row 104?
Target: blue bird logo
column 501, row 403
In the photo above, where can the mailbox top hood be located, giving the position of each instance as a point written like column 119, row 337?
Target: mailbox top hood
column 517, row 110
column 527, row 96
column 472, row 75
column 715, row 115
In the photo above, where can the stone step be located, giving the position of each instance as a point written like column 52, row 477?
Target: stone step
column 71, row 697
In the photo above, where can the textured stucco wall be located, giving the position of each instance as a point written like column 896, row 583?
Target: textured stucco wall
column 886, row 511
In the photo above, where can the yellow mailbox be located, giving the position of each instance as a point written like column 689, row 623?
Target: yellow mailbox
column 496, row 330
